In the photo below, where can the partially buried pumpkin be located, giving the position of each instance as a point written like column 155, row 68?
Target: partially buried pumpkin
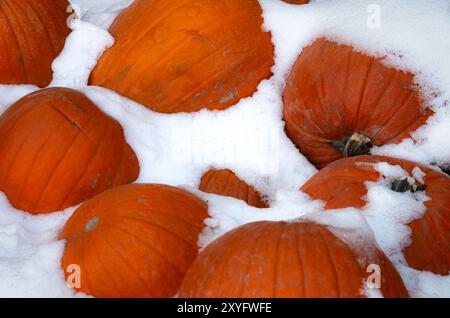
column 185, row 55
column 225, row 182
column 57, row 149
column 342, row 185
column 286, row 260
column 33, row 33
column 339, row 103
column 133, row 241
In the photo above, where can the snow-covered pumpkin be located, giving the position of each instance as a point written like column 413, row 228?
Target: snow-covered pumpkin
column 339, row 103
column 185, row 55
column 286, row 260
column 133, row 241
column 57, row 149
column 225, row 182
column 32, row 34
column 342, row 185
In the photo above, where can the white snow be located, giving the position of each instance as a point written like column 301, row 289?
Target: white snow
column 248, row 138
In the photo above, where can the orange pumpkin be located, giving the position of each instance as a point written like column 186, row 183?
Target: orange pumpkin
column 133, row 241
column 58, row 149
column 226, row 183
column 185, row 55
column 33, row 33
column 342, row 185
column 339, row 102
column 286, row 260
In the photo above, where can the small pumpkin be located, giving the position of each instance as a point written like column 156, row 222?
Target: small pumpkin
column 225, row 182
column 133, row 241
column 339, row 103
column 57, row 149
column 342, row 185
column 286, row 260
column 186, row 55
column 33, row 33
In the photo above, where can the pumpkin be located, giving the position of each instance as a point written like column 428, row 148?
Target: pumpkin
column 342, row 185
column 296, row 1
column 58, row 149
column 133, row 241
column 186, row 55
column 33, row 34
column 339, row 103
column 286, row 260
column 225, row 182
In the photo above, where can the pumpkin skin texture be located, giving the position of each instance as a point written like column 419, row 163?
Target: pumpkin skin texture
column 33, row 34
column 285, row 260
column 341, row 185
column 186, row 55
column 134, row 241
column 57, row 149
column 225, row 182
column 340, row 102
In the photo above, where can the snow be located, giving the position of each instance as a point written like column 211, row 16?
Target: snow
column 249, row 138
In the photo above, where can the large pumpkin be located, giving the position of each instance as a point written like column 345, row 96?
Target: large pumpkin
column 58, row 149
column 33, row 33
column 133, row 241
column 185, row 55
column 286, row 260
column 225, row 182
column 339, row 102
column 342, row 185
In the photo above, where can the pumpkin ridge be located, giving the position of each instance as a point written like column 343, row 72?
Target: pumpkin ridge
column 100, row 261
column 300, row 261
column 34, row 60
column 144, row 34
column 71, row 121
column 36, row 156
column 88, row 163
column 277, row 256
column 411, row 124
column 322, row 95
column 332, row 262
column 12, row 158
column 155, row 211
column 87, row 283
column 146, row 245
column 156, row 226
column 13, row 31
column 66, row 151
column 129, row 265
column 356, row 127
column 257, row 243
column 392, row 116
column 42, row 23
column 120, row 163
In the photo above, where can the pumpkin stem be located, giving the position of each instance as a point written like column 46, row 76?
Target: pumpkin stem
column 355, row 145
column 405, row 184
column 91, row 224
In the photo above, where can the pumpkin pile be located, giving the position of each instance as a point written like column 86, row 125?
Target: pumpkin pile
column 59, row 150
